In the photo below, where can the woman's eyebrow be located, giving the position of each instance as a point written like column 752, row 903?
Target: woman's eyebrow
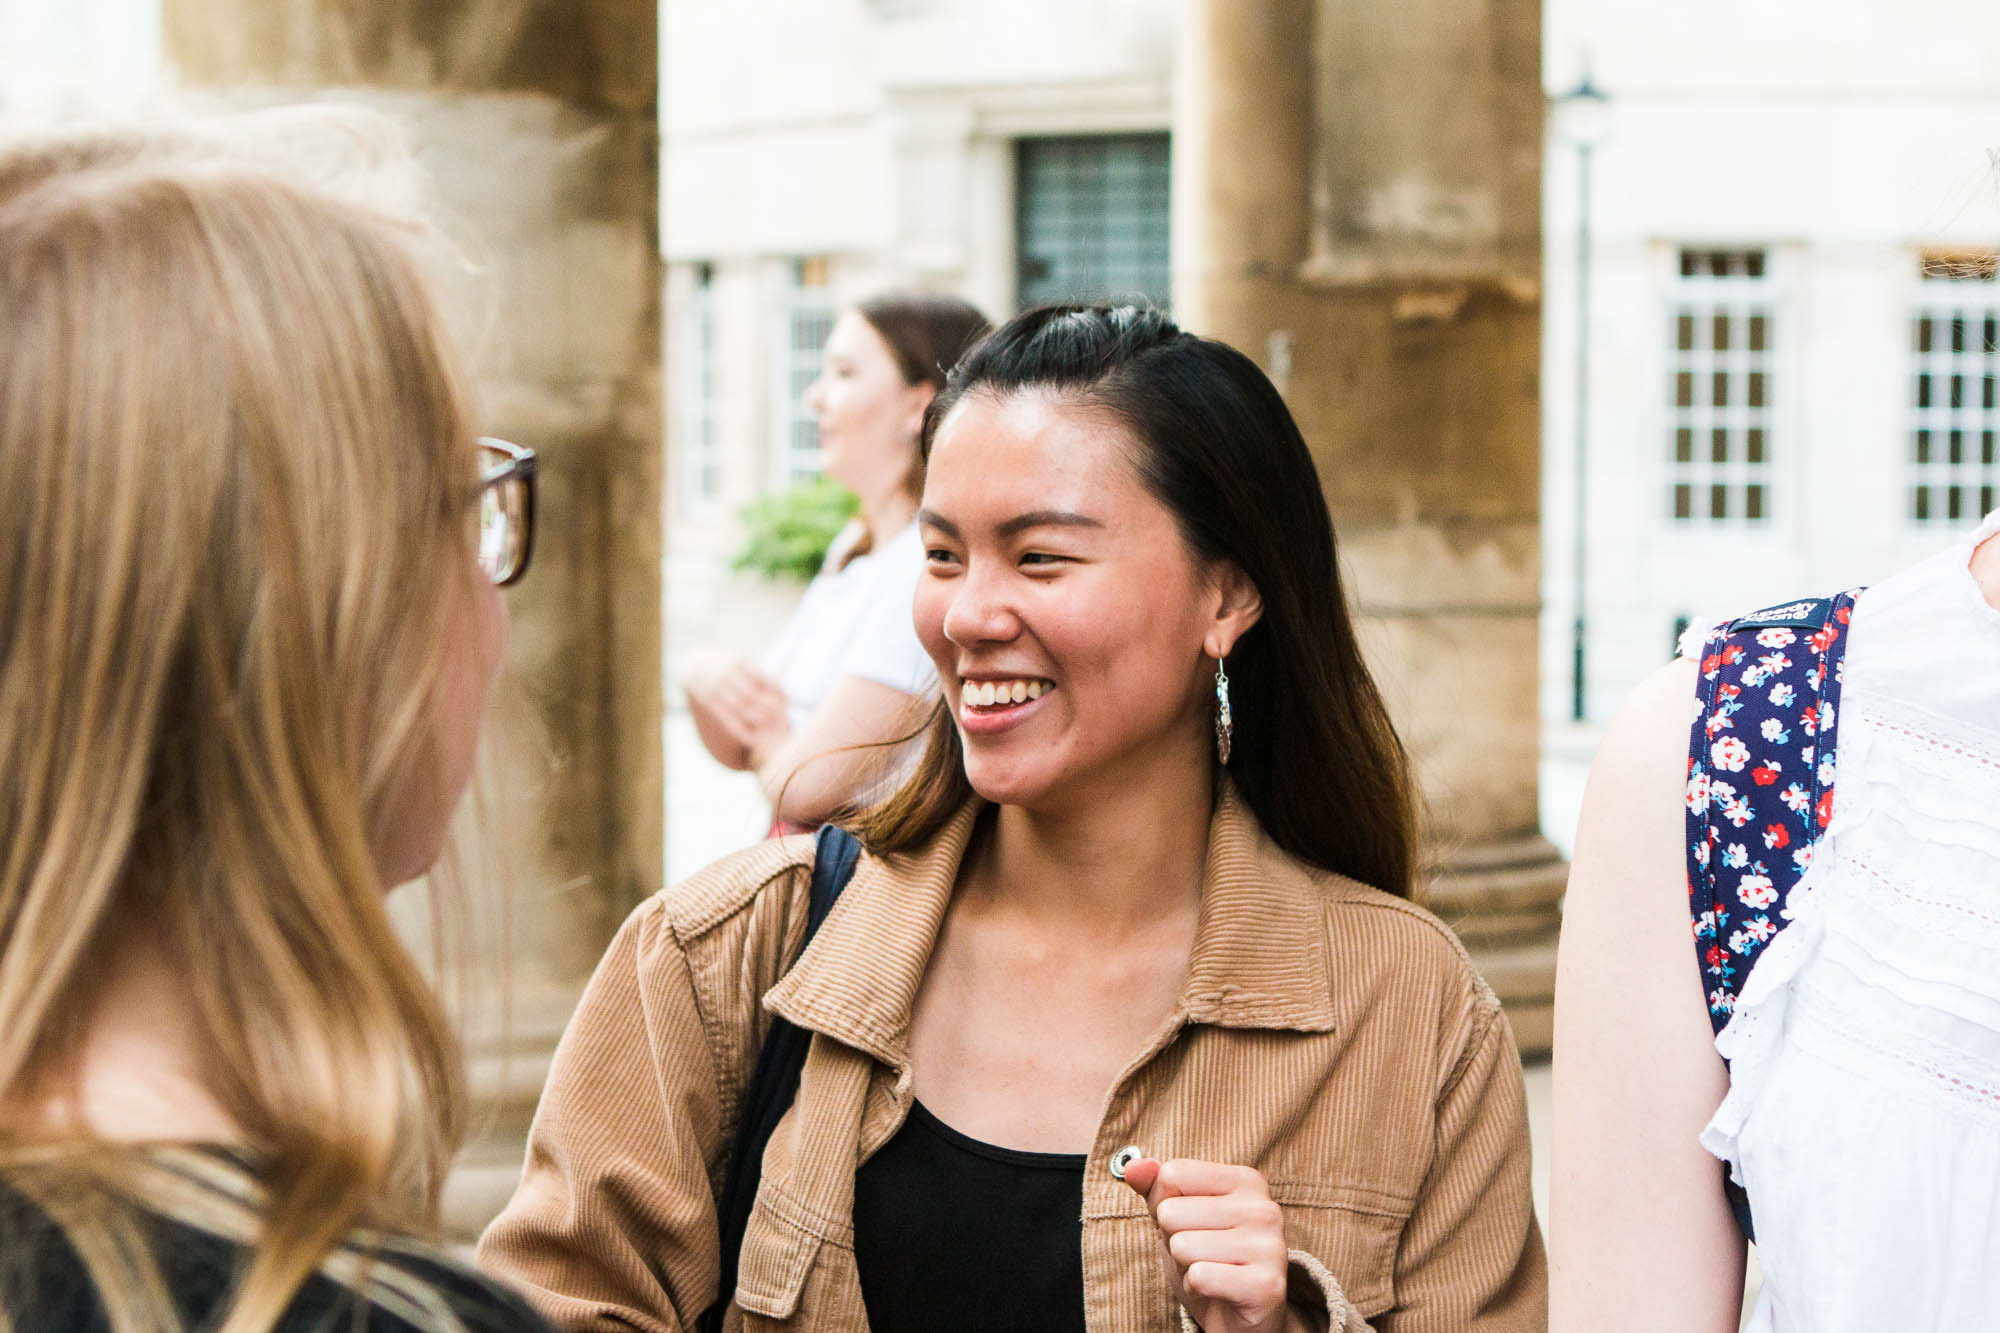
column 1046, row 518
column 1015, row 526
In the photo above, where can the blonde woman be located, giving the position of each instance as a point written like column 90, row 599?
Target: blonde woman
column 248, row 618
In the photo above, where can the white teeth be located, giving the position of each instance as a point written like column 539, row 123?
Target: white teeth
column 988, row 693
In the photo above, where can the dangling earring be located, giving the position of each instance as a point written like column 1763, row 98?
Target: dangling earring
column 1225, row 725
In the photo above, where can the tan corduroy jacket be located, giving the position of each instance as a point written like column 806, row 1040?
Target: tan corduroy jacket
column 1333, row 1037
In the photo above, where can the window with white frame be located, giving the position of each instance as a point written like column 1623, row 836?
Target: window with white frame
column 1953, row 469
column 803, row 325
column 1721, row 327
column 700, row 442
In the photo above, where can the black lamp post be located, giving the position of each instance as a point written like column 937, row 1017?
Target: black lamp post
column 1582, row 119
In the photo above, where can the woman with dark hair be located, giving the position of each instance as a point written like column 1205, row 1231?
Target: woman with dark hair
column 847, row 671
column 1126, row 1019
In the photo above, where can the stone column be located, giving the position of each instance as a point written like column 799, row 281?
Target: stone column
column 536, row 120
column 1357, row 205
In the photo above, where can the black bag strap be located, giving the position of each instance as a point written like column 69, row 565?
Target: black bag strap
column 775, row 1082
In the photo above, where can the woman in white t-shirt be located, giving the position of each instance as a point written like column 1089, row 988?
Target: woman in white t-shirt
column 847, row 669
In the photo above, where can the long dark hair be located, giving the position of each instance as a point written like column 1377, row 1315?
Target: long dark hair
column 927, row 333
column 1315, row 756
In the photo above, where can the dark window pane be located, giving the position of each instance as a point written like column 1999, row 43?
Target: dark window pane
column 1721, row 331
column 1958, row 391
column 1753, row 444
column 1923, row 447
column 1684, row 389
column 1986, row 393
column 1753, row 264
column 1756, row 333
column 1985, row 499
column 1718, row 445
column 1684, row 445
column 1921, row 503
column 1992, row 332
column 1923, row 391
column 1718, row 501
column 1986, row 447
column 1091, row 218
column 1957, row 452
column 1955, row 503
column 1753, row 501
column 1958, row 333
column 1687, row 271
column 1756, row 387
column 1683, row 501
column 1923, row 333
column 1684, row 333
column 1719, row 388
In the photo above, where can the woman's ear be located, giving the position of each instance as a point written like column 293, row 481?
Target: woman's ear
column 1238, row 606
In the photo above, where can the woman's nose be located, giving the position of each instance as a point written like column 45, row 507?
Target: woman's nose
column 979, row 612
column 815, row 392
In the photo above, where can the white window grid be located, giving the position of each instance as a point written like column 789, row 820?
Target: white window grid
column 1955, row 420
column 803, row 326
column 1722, row 330
column 700, row 442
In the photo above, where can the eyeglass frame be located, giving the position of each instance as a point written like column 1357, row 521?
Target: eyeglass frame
column 520, row 466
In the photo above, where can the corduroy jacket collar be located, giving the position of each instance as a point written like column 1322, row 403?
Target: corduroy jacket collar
column 1260, row 957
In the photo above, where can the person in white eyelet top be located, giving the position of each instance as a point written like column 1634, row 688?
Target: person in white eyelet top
column 847, row 671
column 1860, row 1108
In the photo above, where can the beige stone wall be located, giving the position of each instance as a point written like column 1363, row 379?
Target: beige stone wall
column 536, row 120
column 1357, row 204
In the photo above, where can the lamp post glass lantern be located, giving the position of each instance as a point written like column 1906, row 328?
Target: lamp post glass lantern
column 1582, row 119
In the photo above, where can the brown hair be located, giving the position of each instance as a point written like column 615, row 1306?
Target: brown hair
column 1316, row 757
column 926, row 333
column 236, row 452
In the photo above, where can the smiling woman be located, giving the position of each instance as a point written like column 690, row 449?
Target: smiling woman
column 1085, row 924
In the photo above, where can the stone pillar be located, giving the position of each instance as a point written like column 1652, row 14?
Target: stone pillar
column 536, row 120
column 1357, row 205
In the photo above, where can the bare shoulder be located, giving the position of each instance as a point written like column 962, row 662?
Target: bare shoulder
column 1638, row 1217
column 1646, row 742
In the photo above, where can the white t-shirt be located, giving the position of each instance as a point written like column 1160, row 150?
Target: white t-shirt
column 855, row 621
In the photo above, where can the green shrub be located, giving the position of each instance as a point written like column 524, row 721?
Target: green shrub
column 786, row 534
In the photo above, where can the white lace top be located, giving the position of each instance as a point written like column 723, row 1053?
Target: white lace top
column 1863, row 1115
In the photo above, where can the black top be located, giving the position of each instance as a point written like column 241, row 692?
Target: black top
column 953, row 1233
column 45, row 1287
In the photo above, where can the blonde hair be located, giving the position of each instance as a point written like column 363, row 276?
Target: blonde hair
column 236, row 453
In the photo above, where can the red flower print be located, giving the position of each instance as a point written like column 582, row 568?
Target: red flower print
column 1777, row 837
column 1764, row 776
column 1824, row 812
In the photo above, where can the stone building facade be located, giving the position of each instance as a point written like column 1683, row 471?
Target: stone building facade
column 1792, row 327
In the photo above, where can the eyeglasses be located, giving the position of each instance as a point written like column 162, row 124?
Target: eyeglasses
column 506, row 510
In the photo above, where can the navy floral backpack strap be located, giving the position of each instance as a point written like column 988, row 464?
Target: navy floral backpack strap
column 1759, row 788
column 1760, row 779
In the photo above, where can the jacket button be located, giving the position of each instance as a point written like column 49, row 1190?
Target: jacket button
column 1123, row 1158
